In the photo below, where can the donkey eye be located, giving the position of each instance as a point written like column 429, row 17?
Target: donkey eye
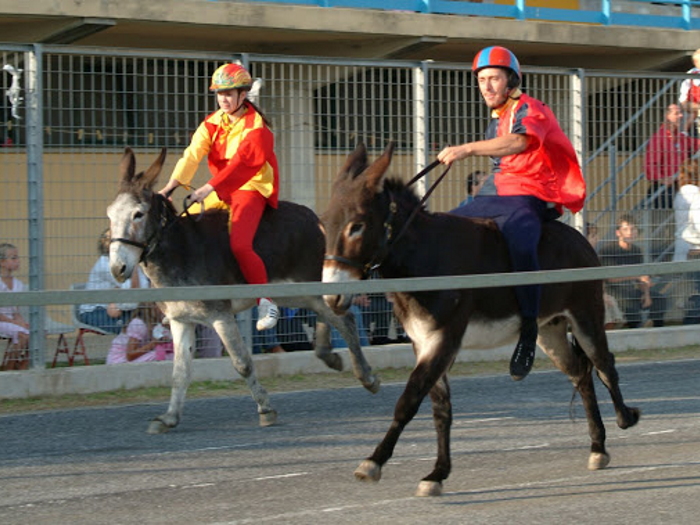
column 138, row 215
column 356, row 228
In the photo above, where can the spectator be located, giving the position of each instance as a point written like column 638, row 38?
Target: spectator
column 687, row 211
column 633, row 294
column 475, row 180
column 144, row 339
column 613, row 315
column 208, row 343
column 689, row 98
column 667, row 149
column 13, row 326
column 110, row 317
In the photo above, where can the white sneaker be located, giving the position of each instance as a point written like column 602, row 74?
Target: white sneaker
column 267, row 315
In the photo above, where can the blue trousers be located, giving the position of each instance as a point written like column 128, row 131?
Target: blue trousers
column 520, row 220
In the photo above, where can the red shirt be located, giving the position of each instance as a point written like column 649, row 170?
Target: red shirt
column 240, row 155
column 548, row 168
column 666, row 151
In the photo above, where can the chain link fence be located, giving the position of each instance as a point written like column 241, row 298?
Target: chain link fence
column 69, row 113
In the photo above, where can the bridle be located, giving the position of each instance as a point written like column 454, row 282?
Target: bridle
column 165, row 222
column 388, row 239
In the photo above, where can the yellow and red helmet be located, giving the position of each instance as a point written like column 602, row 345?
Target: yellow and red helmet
column 230, row 76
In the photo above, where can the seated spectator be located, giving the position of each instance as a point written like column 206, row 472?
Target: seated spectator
column 613, row 315
column 208, row 343
column 475, row 180
column 633, row 294
column 13, row 325
column 110, row 317
column 144, row 339
column 377, row 317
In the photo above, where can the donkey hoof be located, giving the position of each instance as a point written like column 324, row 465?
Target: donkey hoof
column 334, row 362
column 598, row 461
column 157, row 427
column 633, row 415
column 268, row 419
column 374, row 385
column 429, row 488
column 368, row 471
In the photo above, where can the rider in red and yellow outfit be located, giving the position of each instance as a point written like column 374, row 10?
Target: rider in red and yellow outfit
column 535, row 174
column 239, row 147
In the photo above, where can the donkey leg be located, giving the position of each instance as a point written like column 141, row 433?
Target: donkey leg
column 431, row 485
column 431, row 365
column 323, row 348
column 183, row 342
column 575, row 364
column 593, row 341
column 227, row 329
column 348, row 331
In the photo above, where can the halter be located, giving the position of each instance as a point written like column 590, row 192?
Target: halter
column 388, row 240
column 165, row 222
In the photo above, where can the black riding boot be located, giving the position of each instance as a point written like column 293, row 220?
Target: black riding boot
column 524, row 354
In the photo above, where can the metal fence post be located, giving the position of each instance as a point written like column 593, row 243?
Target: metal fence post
column 420, row 122
column 35, row 195
column 578, row 126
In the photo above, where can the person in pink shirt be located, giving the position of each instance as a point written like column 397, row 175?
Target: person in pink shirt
column 144, row 339
column 667, row 149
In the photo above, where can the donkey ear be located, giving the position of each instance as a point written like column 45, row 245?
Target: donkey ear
column 151, row 174
column 356, row 162
column 127, row 168
column 375, row 173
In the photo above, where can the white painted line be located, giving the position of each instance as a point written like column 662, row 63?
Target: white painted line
column 669, row 431
column 282, row 476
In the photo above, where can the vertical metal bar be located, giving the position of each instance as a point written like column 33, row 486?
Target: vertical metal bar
column 685, row 10
column 35, row 193
column 578, row 126
column 420, row 122
column 605, row 12
column 612, row 163
column 520, row 9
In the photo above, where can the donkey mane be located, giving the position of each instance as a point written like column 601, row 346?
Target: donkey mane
column 406, row 195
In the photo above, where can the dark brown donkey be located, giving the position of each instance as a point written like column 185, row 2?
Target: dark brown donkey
column 365, row 216
column 177, row 250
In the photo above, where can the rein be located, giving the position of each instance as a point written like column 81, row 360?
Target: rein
column 389, row 240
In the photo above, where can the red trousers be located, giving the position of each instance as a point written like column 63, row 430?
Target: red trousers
column 247, row 208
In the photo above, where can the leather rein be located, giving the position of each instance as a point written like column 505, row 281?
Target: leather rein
column 389, row 239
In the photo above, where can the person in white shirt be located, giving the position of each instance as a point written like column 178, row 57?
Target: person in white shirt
column 110, row 317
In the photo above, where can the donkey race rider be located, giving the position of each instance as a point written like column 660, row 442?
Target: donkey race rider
column 245, row 180
column 535, row 174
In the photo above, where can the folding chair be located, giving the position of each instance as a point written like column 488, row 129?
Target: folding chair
column 79, row 347
column 52, row 327
column 6, row 354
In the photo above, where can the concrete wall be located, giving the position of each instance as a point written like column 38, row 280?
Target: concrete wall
column 104, row 378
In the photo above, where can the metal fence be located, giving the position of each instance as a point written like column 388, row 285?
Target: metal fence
column 80, row 107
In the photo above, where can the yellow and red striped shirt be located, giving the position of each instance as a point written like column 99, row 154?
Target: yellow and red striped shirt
column 240, row 154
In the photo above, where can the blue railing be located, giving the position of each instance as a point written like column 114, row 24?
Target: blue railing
column 671, row 14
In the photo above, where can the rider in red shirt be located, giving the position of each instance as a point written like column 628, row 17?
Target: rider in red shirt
column 239, row 146
column 535, row 174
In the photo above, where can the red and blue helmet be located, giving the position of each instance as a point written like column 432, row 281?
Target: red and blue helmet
column 496, row 56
